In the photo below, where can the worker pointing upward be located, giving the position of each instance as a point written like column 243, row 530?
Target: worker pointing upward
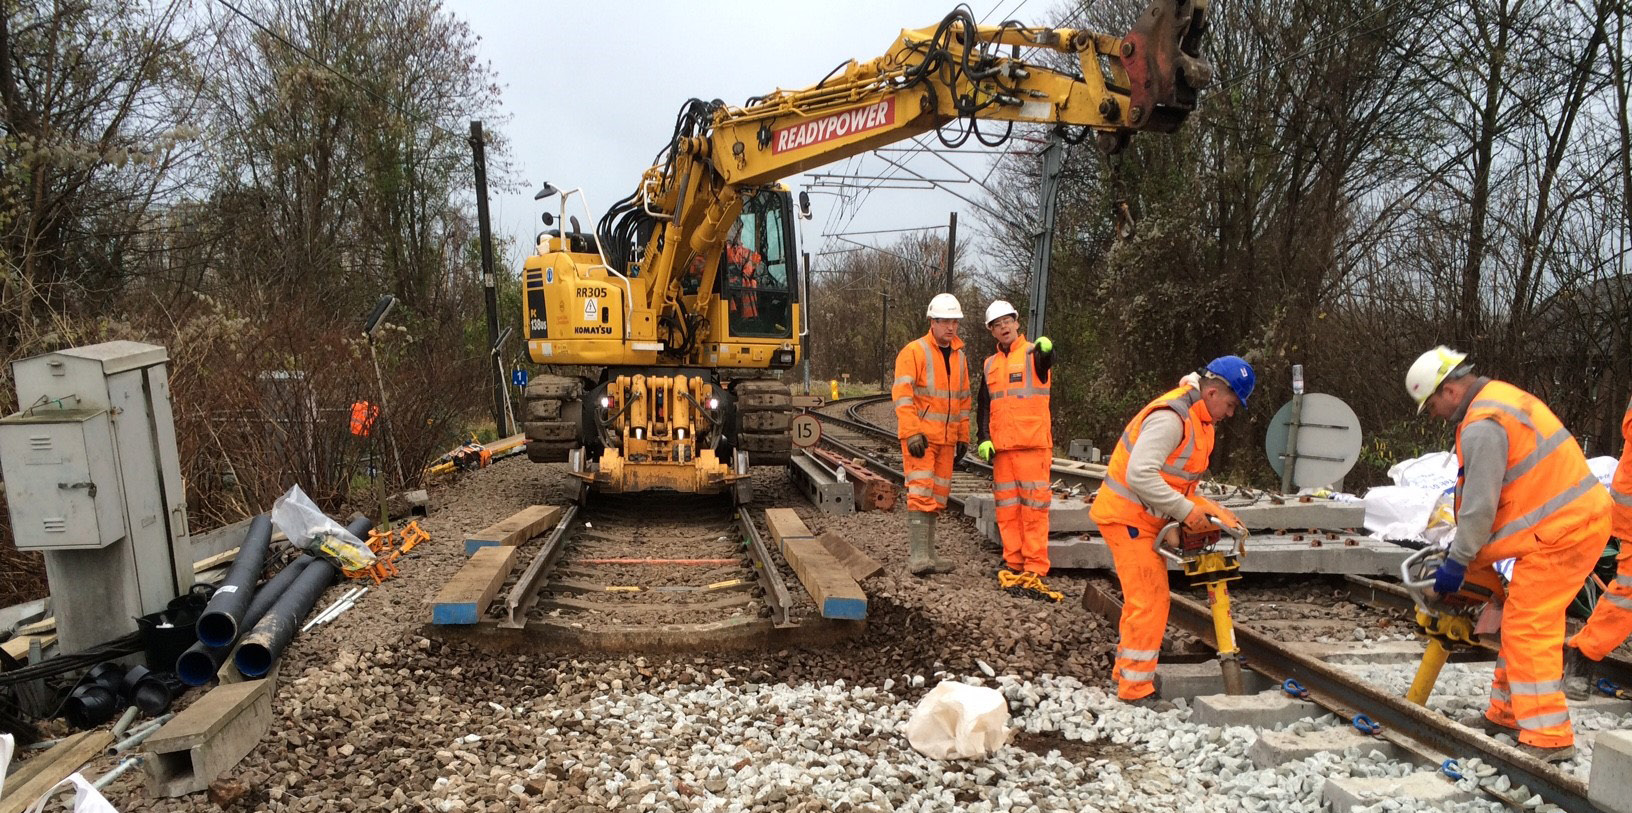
column 1015, row 433
column 1523, row 491
column 931, row 392
column 1151, row 481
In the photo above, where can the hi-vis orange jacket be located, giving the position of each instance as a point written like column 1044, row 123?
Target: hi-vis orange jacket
column 1116, row 501
column 927, row 400
column 1548, row 491
column 1019, row 400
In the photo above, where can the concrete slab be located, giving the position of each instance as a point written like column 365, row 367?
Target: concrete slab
column 1066, row 515
column 1174, row 680
column 1262, row 710
column 1374, row 652
column 826, row 493
column 1602, row 704
column 1279, row 747
column 1269, row 553
column 208, row 738
column 1609, row 786
column 1266, row 515
column 1428, row 787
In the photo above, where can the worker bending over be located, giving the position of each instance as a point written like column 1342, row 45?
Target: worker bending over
column 1523, row 491
column 931, row 392
column 1014, row 433
column 1151, row 481
column 1611, row 620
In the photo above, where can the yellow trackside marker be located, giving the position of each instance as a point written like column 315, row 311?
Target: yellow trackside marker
column 613, row 588
column 724, row 584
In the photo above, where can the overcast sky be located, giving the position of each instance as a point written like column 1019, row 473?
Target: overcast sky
column 591, row 90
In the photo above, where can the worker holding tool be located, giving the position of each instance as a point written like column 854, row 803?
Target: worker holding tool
column 1014, row 432
column 1611, row 620
column 1151, row 481
column 1523, row 491
column 931, row 392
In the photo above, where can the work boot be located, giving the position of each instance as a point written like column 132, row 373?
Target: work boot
column 921, row 558
column 1153, row 703
column 937, row 564
column 1490, row 728
column 1559, row 754
column 1577, row 674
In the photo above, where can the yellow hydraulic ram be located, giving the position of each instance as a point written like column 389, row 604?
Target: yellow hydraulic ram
column 1448, row 621
column 1206, row 565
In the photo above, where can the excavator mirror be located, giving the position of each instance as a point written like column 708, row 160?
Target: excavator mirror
column 547, row 191
column 549, row 219
column 804, row 204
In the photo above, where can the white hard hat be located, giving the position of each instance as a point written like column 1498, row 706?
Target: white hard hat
column 1429, row 371
column 945, row 306
column 999, row 309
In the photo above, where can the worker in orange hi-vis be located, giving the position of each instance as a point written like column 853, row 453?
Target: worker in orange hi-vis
column 931, row 392
column 1523, row 492
column 1013, row 431
column 1150, row 482
column 1611, row 620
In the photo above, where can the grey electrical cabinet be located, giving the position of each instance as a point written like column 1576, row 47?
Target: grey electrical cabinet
column 61, row 482
column 93, row 480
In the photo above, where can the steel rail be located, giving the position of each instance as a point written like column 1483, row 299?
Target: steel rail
column 776, row 592
column 1270, row 658
column 524, row 594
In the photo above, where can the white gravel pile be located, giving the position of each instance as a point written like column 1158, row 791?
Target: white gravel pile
column 729, row 746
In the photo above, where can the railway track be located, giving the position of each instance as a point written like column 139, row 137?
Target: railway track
column 651, row 573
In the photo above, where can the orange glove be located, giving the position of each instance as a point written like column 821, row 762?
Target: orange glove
column 1213, row 509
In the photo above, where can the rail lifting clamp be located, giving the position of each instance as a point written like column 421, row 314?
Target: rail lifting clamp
column 1206, row 564
column 1448, row 620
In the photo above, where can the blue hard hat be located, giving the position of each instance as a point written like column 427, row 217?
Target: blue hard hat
column 1237, row 373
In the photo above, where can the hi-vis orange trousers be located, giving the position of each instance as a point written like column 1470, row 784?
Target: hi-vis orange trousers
column 1528, row 690
column 1020, row 487
column 929, row 478
column 1611, row 620
column 1145, row 602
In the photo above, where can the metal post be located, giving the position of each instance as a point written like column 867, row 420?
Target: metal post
column 1292, row 429
column 885, row 371
column 489, row 283
column 951, row 251
column 1043, row 248
column 804, row 321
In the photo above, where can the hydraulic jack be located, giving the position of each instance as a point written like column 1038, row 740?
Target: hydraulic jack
column 1205, row 564
column 1448, row 621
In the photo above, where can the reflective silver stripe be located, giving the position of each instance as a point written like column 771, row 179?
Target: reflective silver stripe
column 1031, row 503
column 906, row 379
column 1522, row 416
column 1619, row 600
column 929, row 365
column 1121, row 491
column 934, row 393
column 904, row 401
column 1501, row 661
column 943, row 481
column 1623, row 580
column 1125, row 441
column 1138, row 654
column 1187, row 451
column 919, row 475
column 940, row 499
column 1500, row 694
column 1540, row 687
column 1544, row 446
column 1544, row 720
column 1006, row 485
column 1035, row 484
column 1181, row 473
column 1623, row 499
column 1007, row 501
column 1528, row 521
column 1138, row 677
column 920, row 491
column 1029, row 385
column 936, row 416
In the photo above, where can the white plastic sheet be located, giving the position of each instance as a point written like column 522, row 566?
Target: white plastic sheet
column 87, row 799
column 7, row 746
column 959, row 721
column 309, row 529
column 1399, row 512
column 1435, row 471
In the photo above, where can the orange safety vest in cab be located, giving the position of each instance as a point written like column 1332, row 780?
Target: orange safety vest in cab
column 926, row 399
column 1019, row 416
column 1548, row 491
column 1620, row 488
column 741, row 264
column 1116, row 501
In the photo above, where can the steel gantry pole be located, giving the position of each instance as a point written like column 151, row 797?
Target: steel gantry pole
column 1043, row 247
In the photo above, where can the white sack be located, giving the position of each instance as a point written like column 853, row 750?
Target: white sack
column 1399, row 512
column 1435, row 471
column 959, row 721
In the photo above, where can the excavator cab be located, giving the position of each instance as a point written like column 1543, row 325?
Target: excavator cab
column 758, row 269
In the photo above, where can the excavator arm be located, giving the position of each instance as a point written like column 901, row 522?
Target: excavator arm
column 929, row 79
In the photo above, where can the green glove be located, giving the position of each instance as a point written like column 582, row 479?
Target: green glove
column 1044, row 344
column 986, row 450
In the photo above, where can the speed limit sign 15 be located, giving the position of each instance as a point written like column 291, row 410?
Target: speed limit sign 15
column 807, row 431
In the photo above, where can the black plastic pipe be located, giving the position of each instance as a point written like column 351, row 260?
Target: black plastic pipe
column 219, row 623
column 262, row 646
column 199, row 664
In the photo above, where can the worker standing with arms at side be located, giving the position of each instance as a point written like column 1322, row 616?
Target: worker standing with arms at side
column 1014, row 432
column 1151, row 481
column 1611, row 620
column 1523, row 491
column 931, row 393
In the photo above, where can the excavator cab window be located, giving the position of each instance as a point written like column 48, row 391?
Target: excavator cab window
column 757, row 271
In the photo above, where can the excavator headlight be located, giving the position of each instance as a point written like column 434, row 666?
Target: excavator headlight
column 606, row 402
column 713, row 403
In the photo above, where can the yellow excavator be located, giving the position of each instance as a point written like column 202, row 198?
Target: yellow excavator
column 681, row 308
